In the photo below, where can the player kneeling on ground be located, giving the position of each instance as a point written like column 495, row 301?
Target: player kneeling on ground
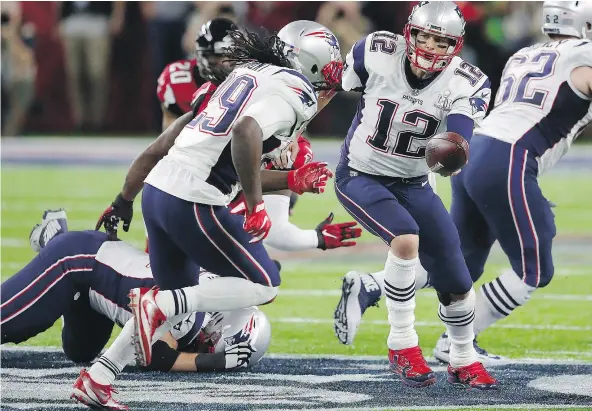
column 84, row 277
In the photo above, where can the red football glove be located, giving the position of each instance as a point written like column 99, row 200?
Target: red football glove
column 333, row 235
column 257, row 223
column 310, row 178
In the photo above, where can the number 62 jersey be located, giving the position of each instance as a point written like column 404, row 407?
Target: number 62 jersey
column 395, row 120
column 536, row 106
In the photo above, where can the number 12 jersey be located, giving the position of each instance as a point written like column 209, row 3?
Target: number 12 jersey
column 395, row 121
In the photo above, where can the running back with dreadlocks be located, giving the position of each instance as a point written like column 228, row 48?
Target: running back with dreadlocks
column 249, row 46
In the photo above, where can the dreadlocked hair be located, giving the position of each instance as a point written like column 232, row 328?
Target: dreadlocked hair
column 249, row 46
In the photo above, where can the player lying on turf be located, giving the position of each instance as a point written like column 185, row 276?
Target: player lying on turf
column 270, row 96
column 414, row 86
column 187, row 85
column 84, row 277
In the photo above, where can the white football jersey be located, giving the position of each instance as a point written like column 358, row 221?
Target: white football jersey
column 123, row 261
column 394, row 121
column 536, row 106
column 199, row 167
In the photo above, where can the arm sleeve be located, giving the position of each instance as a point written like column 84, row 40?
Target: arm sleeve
column 284, row 235
column 355, row 74
column 274, row 114
column 461, row 124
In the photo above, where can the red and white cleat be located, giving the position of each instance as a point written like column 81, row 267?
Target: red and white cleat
column 147, row 318
column 472, row 376
column 411, row 367
column 94, row 395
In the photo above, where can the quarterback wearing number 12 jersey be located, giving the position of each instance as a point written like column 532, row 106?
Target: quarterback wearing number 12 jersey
column 413, row 87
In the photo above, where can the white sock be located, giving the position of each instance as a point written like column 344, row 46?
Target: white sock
column 497, row 299
column 121, row 353
column 458, row 317
column 421, row 278
column 399, row 284
column 217, row 294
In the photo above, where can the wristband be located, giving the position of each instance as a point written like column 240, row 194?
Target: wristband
column 210, row 362
column 163, row 357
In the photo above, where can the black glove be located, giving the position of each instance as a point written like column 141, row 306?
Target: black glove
column 119, row 210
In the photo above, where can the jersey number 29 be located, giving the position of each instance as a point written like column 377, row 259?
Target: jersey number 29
column 226, row 105
column 403, row 145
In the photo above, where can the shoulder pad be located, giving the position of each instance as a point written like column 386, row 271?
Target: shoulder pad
column 466, row 79
column 383, row 50
column 297, row 90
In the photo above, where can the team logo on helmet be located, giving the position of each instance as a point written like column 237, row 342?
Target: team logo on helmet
column 328, row 37
column 244, row 335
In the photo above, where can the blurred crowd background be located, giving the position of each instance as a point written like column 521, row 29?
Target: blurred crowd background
column 89, row 67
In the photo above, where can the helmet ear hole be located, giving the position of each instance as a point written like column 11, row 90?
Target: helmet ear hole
column 314, row 69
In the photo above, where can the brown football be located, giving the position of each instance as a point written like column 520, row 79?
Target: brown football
column 447, row 152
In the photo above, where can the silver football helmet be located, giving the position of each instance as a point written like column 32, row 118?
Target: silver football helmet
column 313, row 50
column 568, row 18
column 441, row 18
column 228, row 328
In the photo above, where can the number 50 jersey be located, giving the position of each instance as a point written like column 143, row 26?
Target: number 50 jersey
column 394, row 121
column 536, row 106
column 199, row 167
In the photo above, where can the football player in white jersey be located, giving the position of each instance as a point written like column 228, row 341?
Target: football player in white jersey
column 273, row 91
column 414, row 86
column 543, row 104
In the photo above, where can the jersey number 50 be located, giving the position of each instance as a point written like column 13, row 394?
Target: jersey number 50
column 219, row 116
column 408, row 143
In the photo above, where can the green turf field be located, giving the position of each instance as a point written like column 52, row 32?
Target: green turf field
column 557, row 323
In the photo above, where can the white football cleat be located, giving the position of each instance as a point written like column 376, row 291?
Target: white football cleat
column 358, row 292
column 94, row 395
column 442, row 352
column 53, row 223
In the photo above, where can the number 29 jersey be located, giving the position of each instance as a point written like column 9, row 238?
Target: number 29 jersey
column 536, row 106
column 199, row 167
column 394, row 121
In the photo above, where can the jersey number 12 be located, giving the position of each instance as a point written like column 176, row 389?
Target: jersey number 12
column 403, row 144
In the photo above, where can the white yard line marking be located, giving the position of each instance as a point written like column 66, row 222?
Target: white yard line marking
column 304, row 320
column 425, row 294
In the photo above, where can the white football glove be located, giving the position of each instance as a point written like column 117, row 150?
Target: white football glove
column 238, row 355
column 283, row 156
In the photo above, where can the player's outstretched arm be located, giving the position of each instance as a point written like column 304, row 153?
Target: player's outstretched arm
column 146, row 161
